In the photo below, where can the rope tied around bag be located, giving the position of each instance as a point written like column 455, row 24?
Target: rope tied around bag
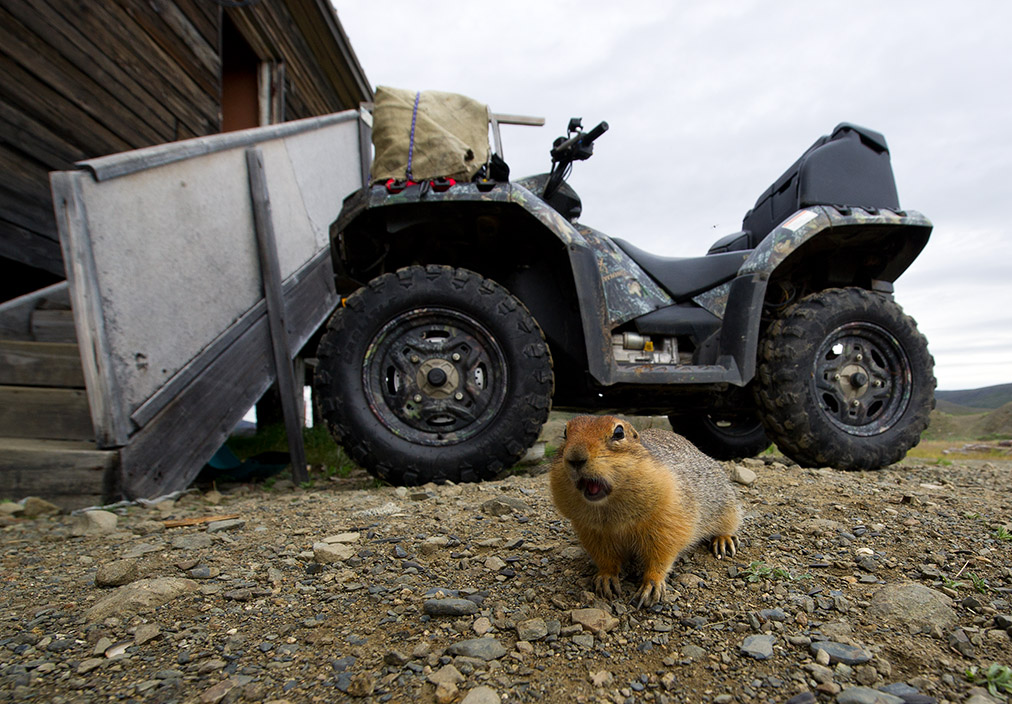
column 411, row 139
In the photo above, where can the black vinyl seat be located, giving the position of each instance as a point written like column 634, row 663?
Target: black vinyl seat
column 684, row 277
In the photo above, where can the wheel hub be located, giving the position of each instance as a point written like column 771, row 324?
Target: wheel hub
column 862, row 379
column 435, row 376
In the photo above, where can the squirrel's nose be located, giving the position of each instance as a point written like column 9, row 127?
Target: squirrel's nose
column 576, row 460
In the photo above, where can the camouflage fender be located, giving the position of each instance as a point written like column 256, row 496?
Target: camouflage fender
column 739, row 302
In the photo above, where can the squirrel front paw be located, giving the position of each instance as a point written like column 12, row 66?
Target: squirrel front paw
column 607, row 586
column 650, row 592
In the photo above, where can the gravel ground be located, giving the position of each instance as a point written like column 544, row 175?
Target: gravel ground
column 849, row 587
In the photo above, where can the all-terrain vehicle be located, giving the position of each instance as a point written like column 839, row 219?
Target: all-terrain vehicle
column 474, row 307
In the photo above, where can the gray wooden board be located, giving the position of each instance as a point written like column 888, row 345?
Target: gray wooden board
column 33, row 412
column 28, row 363
column 70, row 474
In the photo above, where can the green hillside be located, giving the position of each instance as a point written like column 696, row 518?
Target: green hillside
column 987, row 398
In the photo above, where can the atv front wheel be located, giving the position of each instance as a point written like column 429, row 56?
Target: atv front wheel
column 845, row 380
column 723, row 437
column 434, row 374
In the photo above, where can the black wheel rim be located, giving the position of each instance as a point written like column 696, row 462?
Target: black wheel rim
column 435, row 376
column 862, row 380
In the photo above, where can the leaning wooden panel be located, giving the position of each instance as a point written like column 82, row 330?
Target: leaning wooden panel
column 167, row 281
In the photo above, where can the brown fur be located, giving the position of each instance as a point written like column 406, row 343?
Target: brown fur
column 665, row 496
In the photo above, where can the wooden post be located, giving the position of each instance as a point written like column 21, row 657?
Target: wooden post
column 270, row 269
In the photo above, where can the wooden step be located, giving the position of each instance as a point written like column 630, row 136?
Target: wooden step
column 69, row 474
column 34, row 412
column 24, row 363
column 53, row 325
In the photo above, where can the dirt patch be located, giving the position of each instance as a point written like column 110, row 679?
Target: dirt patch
column 320, row 594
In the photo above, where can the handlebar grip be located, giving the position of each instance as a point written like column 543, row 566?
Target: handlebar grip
column 589, row 137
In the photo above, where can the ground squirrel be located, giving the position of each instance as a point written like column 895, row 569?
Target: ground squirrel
column 642, row 495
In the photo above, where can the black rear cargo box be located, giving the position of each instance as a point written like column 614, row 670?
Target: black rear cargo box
column 850, row 167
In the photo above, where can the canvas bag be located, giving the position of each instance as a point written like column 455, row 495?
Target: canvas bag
column 428, row 134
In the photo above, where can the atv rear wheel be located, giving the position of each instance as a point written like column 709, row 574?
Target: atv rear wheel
column 723, row 437
column 434, row 374
column 845, row 380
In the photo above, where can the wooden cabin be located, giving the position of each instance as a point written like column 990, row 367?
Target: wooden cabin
column 80, row 80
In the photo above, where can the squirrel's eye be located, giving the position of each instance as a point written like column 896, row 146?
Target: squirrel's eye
column 563, row 433
column 619, row 433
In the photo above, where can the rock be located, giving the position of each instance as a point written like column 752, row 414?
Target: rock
column 866, row 695
column 912, row 605
column 482, row 695
column 602, row 678
column 821, row 526
column 447, row 674
column 595, row 620
column 494, row 563
column 504, row 505
column 11, row 508
column 146, row 633
column 532, row 629
column 362, row 684
column 342, row 538
column 193, row 541
column 116, row 573
column 140, row 596
column 693, row 652
column 34, row 507
column 960, row 642
column 802, row 698
column 840, row 652
column 449, row 607
column 93, row 523
column 743, row 475
column 226, row 525
column 327, row 553
column 482, row 648
column 759, row 647
column 481, row 626
column 446, row 692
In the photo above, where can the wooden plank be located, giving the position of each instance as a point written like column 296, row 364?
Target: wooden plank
column 112, row 425
column 59, row 115
column 33, row 139
column 71, row 474
column 53, row 326
column 57, row 414
column 125, row 43
column 21, row 244
column 81, row 49
column 56, row 364
column 156, row 33
column 42, row 61
column 270, row 271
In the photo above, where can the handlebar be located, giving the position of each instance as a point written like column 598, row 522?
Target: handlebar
column 578, row 147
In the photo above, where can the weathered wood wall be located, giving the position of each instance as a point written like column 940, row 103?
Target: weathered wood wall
column 84, row 79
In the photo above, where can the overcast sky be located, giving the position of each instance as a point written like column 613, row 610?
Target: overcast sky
column 709, row 102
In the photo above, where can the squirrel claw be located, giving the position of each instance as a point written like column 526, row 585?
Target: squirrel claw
column 724, row 546
column 650, row 593
column 607, row 586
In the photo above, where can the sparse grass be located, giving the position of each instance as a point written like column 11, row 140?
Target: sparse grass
column 321, row 450
column 980, row 584
column 952, row 583
column 998, row 678
column 928, row 450
column 1002, row 533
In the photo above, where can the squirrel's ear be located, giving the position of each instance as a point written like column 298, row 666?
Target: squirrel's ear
column 619, row 432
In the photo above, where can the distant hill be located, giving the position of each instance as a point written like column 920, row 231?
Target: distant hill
column 979, row 425
column 987, row 398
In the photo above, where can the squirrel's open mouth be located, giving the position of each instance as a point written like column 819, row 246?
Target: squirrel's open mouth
column 593, row 489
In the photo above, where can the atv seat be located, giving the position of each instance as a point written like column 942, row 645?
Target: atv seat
column 684, row 277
